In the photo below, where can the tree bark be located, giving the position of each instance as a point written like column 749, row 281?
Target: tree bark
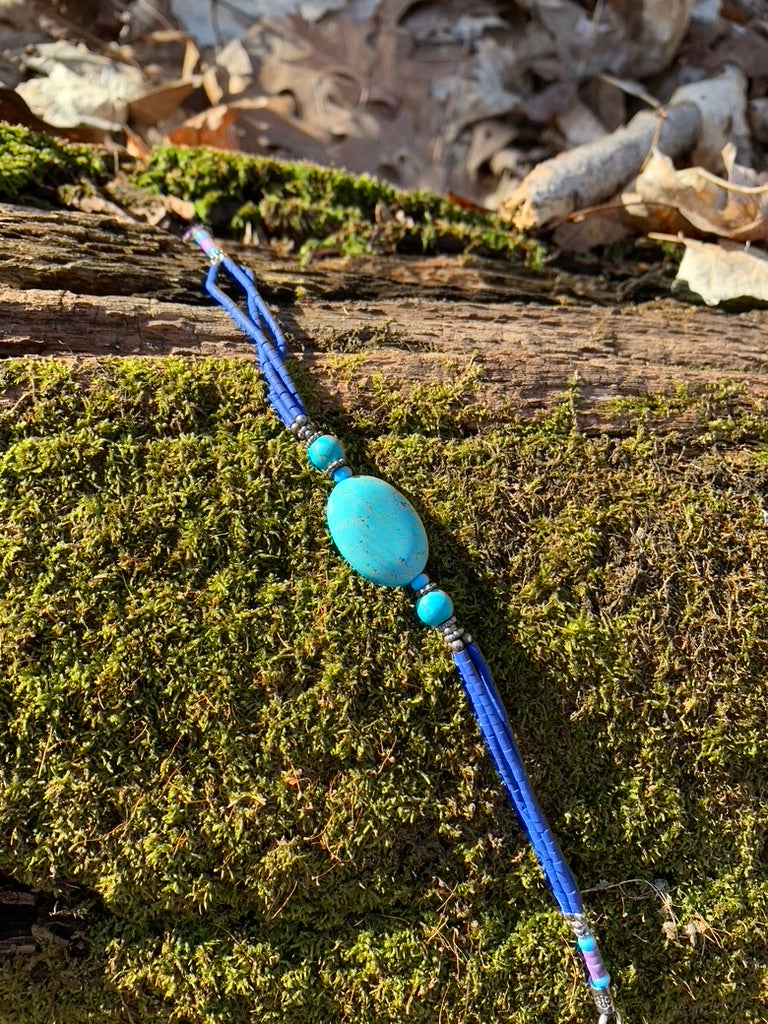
column 73, row 285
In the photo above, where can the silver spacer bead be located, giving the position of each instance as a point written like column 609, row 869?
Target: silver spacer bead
column 449, row 627
column 305, row 430
column 298, row 423
column 578, row 923
column 336, row 464
column 426, row 589
column 453, row 635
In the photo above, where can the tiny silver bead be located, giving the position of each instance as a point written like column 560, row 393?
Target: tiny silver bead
column 297, row 424
column 307, row 431
column 426, row 589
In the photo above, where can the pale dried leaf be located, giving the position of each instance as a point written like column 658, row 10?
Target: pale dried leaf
column 80, row 87
column 656, row 27
column 631, row 88
column 578, row 125
column 215, row 24
column 235, row 60
column 481, row 91
column 213, row 86
column 444, row 21
column 758, row 118
column 488, row 137
column 722, row 103
column 724, row 272
column 709, row 203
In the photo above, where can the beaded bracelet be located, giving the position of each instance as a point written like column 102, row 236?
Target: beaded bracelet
column 379, row 534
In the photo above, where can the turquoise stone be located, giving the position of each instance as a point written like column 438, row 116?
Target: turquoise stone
column 377, row 530
column 324, row 451
column 434, row 608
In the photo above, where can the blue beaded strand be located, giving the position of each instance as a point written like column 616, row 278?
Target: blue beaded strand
column 402, row 553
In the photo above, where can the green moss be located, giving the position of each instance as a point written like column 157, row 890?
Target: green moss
column 36, row 167
column 310, row 207
column 267, row 773
column 294, row 205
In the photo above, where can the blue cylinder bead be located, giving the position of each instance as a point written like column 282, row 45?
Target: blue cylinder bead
column 324, row 451
column 434, row 607
column 342, row 473
column 376, row 530
column 420, row 581
column 587, row 944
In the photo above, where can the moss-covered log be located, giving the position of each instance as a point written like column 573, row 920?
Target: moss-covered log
column 246, row 782
column 268, row 776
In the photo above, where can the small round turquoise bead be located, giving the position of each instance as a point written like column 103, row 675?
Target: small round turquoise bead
column 324, row 451
column 342, row 473
column 434, row 607
column 377, row 530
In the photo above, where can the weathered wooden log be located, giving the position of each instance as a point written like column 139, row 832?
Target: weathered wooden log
column 74, row 285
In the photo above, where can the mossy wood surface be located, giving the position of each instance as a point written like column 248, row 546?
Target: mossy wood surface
column 262, row 776
column 78, row 284
column 248, row 779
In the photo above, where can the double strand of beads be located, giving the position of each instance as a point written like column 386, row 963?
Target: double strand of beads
column 380, row 535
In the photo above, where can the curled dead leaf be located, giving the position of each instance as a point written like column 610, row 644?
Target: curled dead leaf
column 708, row 202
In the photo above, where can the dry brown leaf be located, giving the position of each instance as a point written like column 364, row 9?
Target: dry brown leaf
column 338, row 56
column 709, row 203
column 263, row 125
column 648, row 217
column 603, row 228
column 159, row 104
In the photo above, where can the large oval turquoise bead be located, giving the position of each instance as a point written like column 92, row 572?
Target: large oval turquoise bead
column 377, row 530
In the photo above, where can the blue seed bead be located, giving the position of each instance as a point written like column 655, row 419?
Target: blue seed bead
column 586, row 945
column 421, row 581
column 434, row 608
column 324, row 451
column 342, row 473
column 599, row 983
